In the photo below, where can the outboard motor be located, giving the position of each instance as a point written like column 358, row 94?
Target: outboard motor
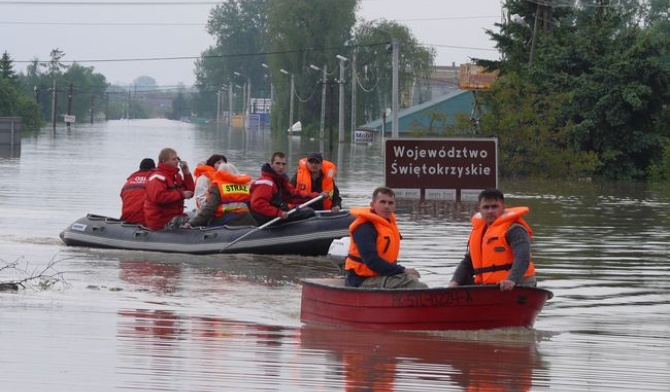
column 338, row 251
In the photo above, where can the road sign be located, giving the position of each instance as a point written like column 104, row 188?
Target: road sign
column 68, row 118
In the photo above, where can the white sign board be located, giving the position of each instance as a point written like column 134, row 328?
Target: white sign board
column 363, row 136
column 68, row 118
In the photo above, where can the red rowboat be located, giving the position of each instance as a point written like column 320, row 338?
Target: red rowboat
column 329, row 302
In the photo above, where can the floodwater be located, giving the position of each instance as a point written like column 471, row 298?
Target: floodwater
column 143, row 321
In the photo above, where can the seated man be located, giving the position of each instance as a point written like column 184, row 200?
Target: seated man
column 499, row 246
column 318, row 175
column 203, row 174
column 272, row 195
column 134, row 193
column 375, row 246
column 227, row 201
column 167, row 190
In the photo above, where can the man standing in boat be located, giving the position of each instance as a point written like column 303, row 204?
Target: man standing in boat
column 272, row 195
column 318, row 175
column 167, row 190
column 499, row 246
column 375, row 246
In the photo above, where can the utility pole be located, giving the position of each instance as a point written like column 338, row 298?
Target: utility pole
column 92, row 107
column 54, row 97
column 340, row 130
column 231, row 86
column 354, row 84
column 69, row 105
column 394, row 100
column 218, row 107
column 290, row 114
column 331, row 89
column 323, row 96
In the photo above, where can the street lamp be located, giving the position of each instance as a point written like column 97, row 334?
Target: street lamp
column 246, row 93
column 395, row 62
column 272, row 89
column 323, row 96
column 290, row 115
column 340, row 129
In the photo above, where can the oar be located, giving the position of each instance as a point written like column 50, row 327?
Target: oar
column 289, row 212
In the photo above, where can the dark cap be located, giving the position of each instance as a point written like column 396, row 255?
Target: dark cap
column 315, row 156
column 147, row 164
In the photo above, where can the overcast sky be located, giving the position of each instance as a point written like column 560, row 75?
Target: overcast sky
column 109, row 30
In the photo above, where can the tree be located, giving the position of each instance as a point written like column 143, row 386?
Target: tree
column 55, row 67
column 372, row 41
column 607, row 65
column 240, row 33
column 145, row 81
column 304, row 32
column 6, row 67
column 14, row 103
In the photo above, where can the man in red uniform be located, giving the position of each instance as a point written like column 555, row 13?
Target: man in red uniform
column 167, row 190
column 372, row 261
column 499, row 246
column 272, row 195
column 134, row 193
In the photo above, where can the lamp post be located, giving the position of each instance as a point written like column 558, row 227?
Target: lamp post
column 323, row 96
column 272, row 91
column 395, row 62
column 290, row 114
column 340, row 129
column 246, row 93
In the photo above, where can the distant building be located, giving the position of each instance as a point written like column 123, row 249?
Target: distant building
column 442, row 81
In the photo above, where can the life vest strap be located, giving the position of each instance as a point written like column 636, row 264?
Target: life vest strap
column 354, row 258
column 493, row 268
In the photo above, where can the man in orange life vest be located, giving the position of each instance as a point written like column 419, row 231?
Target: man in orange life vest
column 318, row 175
column 227, row 201
column 499, row 246
column 272, row 195
column 134, row 193
column 375, row 245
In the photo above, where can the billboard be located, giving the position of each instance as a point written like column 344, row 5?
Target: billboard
column 473, row 77
column 441, row 169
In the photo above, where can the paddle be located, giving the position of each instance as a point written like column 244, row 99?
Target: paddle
column 289, row 212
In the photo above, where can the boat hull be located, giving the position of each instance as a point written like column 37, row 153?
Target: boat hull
column 310, row 237
column 329, row 302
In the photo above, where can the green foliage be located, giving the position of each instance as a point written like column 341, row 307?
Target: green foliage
column 374, row 65
column 534, row 140
column 13, row 102
column 87, row 91
column 595, row 91
column 6, row 67
column 304, row 32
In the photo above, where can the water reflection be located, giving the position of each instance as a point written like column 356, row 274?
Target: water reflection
column 384, row 361
column 153, row 275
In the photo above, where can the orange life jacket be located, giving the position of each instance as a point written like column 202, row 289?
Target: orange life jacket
column 234, row 191
column 208, row 172
column 491, row 255
column 304, row 179
column 388, row 241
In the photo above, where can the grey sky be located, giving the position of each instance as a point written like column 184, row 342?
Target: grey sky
column 455, row 28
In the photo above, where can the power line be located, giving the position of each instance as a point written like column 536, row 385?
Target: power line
column 333, row 49
column 108, row 3
column 102, row 23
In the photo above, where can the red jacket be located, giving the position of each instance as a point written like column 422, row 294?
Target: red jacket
column 133, row 195
column 272, row 193
column 164, row 195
